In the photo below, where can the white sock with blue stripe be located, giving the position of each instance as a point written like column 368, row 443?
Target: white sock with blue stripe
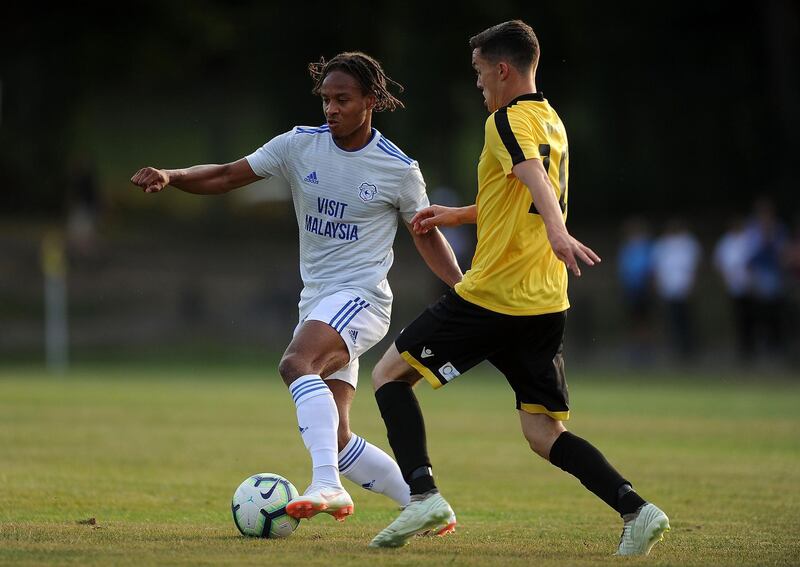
column 318, row 420
column 371, row 468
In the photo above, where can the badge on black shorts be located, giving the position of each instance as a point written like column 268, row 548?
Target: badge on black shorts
column 448, row 371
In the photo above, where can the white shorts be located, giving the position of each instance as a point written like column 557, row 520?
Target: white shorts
column 359, row 325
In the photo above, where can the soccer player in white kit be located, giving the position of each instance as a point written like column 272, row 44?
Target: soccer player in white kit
column 348, row 185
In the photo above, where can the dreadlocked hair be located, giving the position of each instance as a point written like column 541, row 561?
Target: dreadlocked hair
column 364, row 69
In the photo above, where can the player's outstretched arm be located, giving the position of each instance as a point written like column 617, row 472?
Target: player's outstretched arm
column 438, row 254
column 438, row 215
column 199, row 179
column 566, row 248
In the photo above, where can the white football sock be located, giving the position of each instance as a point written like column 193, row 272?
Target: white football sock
column 318, row 420
column 367, row 465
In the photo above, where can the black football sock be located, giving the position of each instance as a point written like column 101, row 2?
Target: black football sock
column 627, row 500
column 582, row 460
column 405, row 429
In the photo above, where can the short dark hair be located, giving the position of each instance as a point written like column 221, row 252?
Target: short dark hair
column 513, row 40
column 364, row 69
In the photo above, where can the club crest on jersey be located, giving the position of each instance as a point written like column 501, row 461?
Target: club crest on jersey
column 367, row 192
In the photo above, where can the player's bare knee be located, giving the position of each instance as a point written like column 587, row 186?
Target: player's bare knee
column 387, row 369
column 541, row 431
column 291, row 367
column 538, row 445
column 385, row 372
column 380, row 374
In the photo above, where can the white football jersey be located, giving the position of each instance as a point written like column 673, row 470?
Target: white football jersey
column 347, row 204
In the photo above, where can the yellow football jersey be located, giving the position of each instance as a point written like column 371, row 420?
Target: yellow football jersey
column 514, row 270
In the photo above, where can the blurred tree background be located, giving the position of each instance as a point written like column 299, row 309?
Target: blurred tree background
column 673, row 108
column 691, row 105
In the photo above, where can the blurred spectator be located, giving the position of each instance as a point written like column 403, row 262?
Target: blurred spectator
column 83, row 209
column 462, row 237
column 675, row 258
column 732, row 257
column 770, row 240
column 635, row 272
column 792, row 254
column 792, row 263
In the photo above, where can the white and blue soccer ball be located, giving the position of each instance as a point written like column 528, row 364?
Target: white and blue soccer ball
column 259, row 506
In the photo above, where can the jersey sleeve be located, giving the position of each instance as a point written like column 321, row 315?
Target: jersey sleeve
column 270, row 159
column 412, row 196
column 512, row 138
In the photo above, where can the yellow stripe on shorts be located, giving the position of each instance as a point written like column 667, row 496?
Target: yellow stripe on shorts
column 538, row 408
column 422, row 369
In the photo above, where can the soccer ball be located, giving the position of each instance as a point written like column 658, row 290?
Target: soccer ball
column 259, row 506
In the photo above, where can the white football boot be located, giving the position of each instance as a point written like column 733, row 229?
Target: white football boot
column 642, row 530
column 416, row 518
column 331, row 500
column 448, row 527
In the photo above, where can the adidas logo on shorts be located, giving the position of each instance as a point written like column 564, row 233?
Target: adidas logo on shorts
column 353, row 335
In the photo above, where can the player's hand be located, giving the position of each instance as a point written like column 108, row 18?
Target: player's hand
column 433, row 216
column 569, row 250
column 150, row 179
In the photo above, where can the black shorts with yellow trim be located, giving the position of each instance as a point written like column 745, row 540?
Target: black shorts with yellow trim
column 453, row 335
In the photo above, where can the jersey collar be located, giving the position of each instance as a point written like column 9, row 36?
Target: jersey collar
column 360, row 151
column 538, row 97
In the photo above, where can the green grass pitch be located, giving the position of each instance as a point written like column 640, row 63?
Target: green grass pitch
column 154, row 454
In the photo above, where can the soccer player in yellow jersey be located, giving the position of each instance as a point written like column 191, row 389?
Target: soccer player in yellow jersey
column 510, row 307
